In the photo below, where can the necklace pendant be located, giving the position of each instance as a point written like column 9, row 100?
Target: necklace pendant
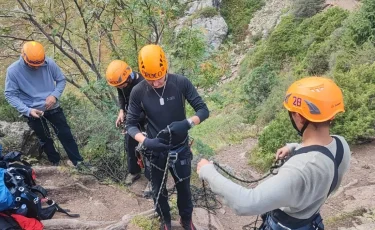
column 161, row 101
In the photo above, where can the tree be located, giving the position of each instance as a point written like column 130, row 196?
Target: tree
column 85, row 35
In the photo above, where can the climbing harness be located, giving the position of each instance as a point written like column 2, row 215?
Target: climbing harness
column 172, row 156
column 279, row 220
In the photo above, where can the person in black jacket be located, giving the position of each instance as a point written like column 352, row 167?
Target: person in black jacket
column 120, row 75
column 162, row 97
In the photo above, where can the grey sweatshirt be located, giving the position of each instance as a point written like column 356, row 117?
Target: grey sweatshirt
column 27, row 88
column 299, row 189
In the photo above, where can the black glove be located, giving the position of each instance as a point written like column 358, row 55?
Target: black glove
column 179, row 129
column 156, row 144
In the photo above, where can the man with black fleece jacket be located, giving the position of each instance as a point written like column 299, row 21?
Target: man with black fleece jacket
column 162, row 97
column 120, row 75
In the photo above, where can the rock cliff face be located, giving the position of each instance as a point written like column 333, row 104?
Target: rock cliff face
column 214, row 28
column 268, row 17
column 17, row 136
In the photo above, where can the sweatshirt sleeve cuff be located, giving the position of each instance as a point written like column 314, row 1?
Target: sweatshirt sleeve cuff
column 208, row 172
column 27, row 112
column 56, row 95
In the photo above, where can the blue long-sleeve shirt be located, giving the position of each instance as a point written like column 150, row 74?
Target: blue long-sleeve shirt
column 27, row 88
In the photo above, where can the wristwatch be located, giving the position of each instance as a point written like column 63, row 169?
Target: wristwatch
column 191, row 123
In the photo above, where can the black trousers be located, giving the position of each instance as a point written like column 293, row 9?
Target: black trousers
column 62, row 130
column 130, row 145
column 182, row 170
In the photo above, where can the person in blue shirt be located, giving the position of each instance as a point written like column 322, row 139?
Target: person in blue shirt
column 33, row 86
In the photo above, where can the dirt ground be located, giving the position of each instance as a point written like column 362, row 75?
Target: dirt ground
column 345, row 4
column 98, row 202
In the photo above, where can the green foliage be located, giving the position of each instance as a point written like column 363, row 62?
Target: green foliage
column 358, row 120
column 187, row 52
column 237, row 14
column 203, row 149
column 214, row 68
column 174, row 207
column 221, row 130
column 268, row 110
column 7, row 112
column 277, row 133
column 274, row 136
column 144, row 223
column 317, row 64
column 189, row 56
column 94, row 131
column 207, row 12
column 307, row 8
column 258, row 85
column 293, row 39
column 361, row 24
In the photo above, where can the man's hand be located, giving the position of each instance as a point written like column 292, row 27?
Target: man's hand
column 282, row 152
column 50, row 101
column 36, row 113
column 120, row 118
column 156, row 144
column 202, row 163
column 179, row 129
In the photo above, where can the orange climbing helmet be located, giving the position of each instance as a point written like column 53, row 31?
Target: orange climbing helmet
column 118, row 72
column 318, row 99
column 33, row 53
column 152, row 62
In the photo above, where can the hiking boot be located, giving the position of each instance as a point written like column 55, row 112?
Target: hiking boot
column 187, row 224
column 147, row 192
column 130, row 178
column 166, row 226
column 84, row 167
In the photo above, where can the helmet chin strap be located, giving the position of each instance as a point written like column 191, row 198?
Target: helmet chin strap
column 300, row 132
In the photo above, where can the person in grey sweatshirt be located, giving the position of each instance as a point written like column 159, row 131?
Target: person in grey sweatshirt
column 33, row 86
column 292, row 199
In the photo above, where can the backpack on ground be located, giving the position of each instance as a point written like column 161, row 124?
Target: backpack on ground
column 19, row 193
column 8, row 223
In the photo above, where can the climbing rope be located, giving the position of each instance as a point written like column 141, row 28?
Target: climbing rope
column 272, row 171
column 49, row 134
column 276, row 164
column 201, row 197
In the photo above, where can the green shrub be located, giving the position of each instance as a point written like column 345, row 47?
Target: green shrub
column 268, row 110
column 145, row 223
column 307, row 8
column 207, row 12
column 361, row 24
column 357, row 123
column 277, row 134
column 258, row 85
column 237, row 14
column 317, row 64
column 293, row 39
column 203, row 149
column 7, row 112
column 187, row 52
column 94, row 131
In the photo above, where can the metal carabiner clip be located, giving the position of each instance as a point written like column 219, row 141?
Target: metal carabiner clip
column 173, row 156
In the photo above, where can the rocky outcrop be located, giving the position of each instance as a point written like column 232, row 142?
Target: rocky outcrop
column 194, row 6
column 214, row 29
column 268, row 17
column 17, row 136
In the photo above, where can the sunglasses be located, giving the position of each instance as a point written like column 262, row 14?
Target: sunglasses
column 34, row 62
